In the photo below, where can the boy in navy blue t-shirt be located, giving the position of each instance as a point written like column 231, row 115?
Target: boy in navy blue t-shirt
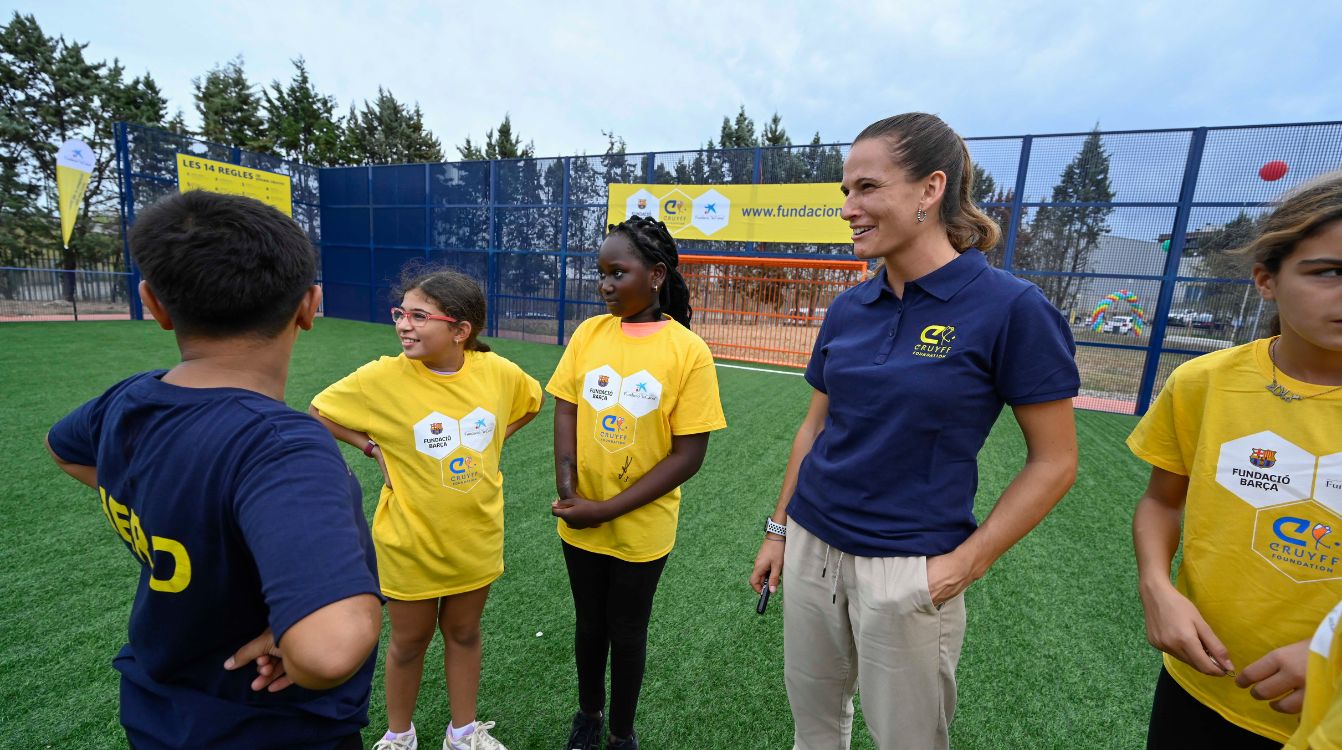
column 241, row 511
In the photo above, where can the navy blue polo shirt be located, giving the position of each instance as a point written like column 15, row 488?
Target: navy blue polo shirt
column 914, row 386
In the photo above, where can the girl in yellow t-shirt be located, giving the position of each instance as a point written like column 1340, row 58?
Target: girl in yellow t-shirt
column 435, row 418
column 1246, row 454
column 636, row 396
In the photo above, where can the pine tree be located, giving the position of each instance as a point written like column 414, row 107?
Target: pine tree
column 388, row 132
column 501, row 145
column 300, row 122
column 984, row 185
column 1064, row 237
column 230, row 108
column 773, row 133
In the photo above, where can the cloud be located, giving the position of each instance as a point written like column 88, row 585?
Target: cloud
column 662, row 75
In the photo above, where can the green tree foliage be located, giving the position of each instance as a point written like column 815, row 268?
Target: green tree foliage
column 984, row 187
column 386, row 131
column 230, row 108
column 505, row 144
column 1063, row 238
column 1215, row 255
column 49, row 92
column 301, row 123
column 773, row 133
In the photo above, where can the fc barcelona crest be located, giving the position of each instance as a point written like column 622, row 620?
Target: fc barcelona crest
column 1263, row 458
column 436, row 428
column 602, row 380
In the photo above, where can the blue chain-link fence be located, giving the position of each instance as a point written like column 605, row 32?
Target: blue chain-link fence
column 1140, row 220
column 147, row 171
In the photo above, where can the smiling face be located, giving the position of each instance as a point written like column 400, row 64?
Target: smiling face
column 1308, row 288
column 626, row 282
column 881, row 200
column 435, row 339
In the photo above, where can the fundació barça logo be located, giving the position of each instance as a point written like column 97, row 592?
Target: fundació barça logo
column 1263, row 458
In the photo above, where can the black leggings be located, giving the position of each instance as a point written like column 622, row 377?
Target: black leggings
column 613, row 600
column 1178, row 720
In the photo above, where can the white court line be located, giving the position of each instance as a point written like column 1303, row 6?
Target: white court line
column 761, row 369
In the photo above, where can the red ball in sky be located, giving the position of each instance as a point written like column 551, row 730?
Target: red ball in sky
column 1273, row 170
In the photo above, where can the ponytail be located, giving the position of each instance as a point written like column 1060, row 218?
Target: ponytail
column 921, row 144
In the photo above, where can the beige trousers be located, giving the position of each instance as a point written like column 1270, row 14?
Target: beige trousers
column 866, row 623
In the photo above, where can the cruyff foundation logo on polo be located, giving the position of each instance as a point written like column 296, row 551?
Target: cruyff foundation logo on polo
column 934, row 342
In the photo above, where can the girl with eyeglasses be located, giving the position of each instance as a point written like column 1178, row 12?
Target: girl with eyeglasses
column 435, row 419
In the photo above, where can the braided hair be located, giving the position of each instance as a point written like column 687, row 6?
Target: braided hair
column 653, row 242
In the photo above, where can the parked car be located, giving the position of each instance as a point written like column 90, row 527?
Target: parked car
column 1120, row 324
column 1208, row 322
column 804, row 316
column 1180, row 319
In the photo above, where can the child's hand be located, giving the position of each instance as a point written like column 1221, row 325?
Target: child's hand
column 265, row 652
column 1174, row 625
column 579, row 512
column 1279, row 675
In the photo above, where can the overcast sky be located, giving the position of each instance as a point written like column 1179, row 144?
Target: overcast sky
column 663, row 74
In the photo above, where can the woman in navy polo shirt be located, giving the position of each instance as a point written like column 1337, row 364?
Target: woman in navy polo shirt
column 910, row 369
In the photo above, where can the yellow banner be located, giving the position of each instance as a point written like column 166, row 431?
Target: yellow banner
column 807, row 212
column 74, row 163
column 195, row 173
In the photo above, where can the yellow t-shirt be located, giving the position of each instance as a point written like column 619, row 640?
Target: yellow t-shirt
column 633, row 394
column 440, row 531
column 1321, row 720
column 1261, row 560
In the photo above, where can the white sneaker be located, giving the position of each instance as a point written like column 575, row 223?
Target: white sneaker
column 480, row 739
column 408, row 742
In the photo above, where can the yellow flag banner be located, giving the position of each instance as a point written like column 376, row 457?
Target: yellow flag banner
column 807, row 212
column 74, row 164
column 195, row 173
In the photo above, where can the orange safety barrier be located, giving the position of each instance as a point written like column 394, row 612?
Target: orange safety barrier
column 765, row 310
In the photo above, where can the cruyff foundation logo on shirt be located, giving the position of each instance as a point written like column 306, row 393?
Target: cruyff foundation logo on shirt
column 1300, row 542
column 934, row 342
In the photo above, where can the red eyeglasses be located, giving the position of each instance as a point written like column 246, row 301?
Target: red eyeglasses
column 417, row 318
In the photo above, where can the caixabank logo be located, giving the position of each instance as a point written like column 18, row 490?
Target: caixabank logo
column 619, row 401
column 1297, row 498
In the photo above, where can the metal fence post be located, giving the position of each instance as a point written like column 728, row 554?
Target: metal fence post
column 372, row 251
column 428, row 211
column 1172, row 260
column 492, row 251
column 563, row 254
column 1017, row 210
column 649, row 167
column 127, row 189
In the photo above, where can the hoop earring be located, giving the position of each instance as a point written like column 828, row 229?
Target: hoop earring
column 921, row 215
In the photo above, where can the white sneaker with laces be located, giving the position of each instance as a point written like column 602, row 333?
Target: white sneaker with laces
column 408, row 742
column 480, row 739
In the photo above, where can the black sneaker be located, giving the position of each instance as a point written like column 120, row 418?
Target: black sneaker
column 586, row 733
column 628, row 743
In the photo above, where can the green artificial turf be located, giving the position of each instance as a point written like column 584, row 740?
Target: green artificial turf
column 1055, row 654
